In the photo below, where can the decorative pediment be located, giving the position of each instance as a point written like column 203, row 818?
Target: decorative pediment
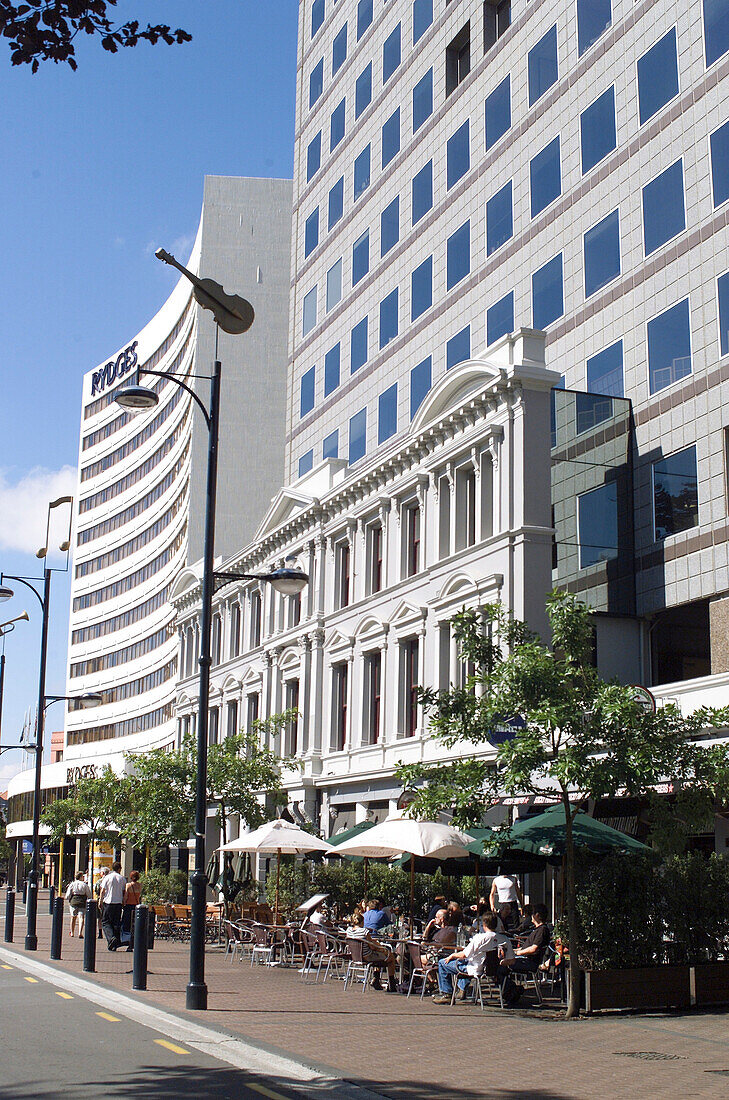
column 336, row 642
column 187, row 580
column 406, row 617
column 287, row 504
column 252, row 679
column 460, row 383
column 231, row 683
column 289, row 659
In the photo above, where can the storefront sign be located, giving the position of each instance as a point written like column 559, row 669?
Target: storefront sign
column 114, row 369
column 86, row 771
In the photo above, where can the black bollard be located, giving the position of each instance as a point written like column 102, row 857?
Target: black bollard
column 151, row 925
column 141, row 926
column 9, row 915
column 25, row 891
column 57, row 928
column 51, row 900
column 90, row 937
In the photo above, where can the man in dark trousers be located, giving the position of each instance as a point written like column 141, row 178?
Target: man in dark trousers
column 112, row 897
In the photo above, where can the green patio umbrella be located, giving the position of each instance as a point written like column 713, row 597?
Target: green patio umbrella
column 544, row 835
column 339, row 838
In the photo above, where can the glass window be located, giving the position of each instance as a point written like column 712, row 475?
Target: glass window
column 458, row 58
column 336, row 125
column 723, row 294
column 317, row 16
column 500, row 318
column 602, row 253
column 334, row 285
column 458, row 255
column 458, row 156
column 357, row 435
column 498, row 112
column 593, row 17
column 339, row 49
column 422, row 191
column 311, row 232
column 358, row 346
column 496, row 21
column 547, row 295
column 360, row 257
column 307, row 391
column 336, row 202
column 420, row 377
column 387, row 414
column 390, row 226
column 421, row 288
column 330, row 446
column 597, row 524
column 716, row 29
column 364, row 16
column 390, row 54
column 306, row 462
column 363, row 90
column 458, row 348
column 669, row 346
column 308, row 312
column 675, row 493
column 391, row 137
column 542, row 65
column 389, row 318
column 332, row 361
column 422, row 100
column 316, row 82
column 720, row 164
column 499, row 219
column 597, row 130
column 313, row 157
column 605, row 371
column 663, row 210
column 657, row 76
column 545, row 177
column 422, row 18
column 362, row 172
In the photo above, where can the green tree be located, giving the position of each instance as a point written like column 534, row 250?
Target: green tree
column 93, row 806
column 581, row 737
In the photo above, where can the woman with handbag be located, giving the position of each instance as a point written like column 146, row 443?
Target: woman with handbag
column 77, row 894
column 132, row 898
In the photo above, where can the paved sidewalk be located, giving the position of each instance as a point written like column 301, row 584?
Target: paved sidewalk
column 412, row 1050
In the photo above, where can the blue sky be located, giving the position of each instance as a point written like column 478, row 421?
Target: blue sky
column 100, row 167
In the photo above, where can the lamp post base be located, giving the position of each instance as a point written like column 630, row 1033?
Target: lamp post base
column 196, row 996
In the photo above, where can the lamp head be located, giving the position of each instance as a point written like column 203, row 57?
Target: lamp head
column 65, row 546
column 91, row 700
column 287, row 581
column 5, row 593
column 136, row 398
column 42, row 552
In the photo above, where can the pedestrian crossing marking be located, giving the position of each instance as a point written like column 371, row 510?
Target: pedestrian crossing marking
column 6, row 967
column 171, row 1046
column 106, row 1016
column 66, row 996
column 33, row 980
column 266, row 1092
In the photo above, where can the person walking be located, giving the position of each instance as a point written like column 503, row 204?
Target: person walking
column 111, row 897
column 97, row 891
column 77, row 894
column 132, row 898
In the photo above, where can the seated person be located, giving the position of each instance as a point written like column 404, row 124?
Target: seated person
column 525, row 925
column 317, row 920
column 440, row 930
column 510, row 917
column 376, row 918
column 374, row 953
column 527, row 958
column 456, row 914
column 482, row 910
column 469, row 962
column 439, row 902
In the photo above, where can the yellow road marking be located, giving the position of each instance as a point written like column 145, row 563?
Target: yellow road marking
column 6, row 967
column 106, row 1016
column 266, row 1092
column 33, row 980
column 66, row 996
column 171, row 1046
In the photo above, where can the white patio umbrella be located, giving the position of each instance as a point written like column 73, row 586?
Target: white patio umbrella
column 281, row 837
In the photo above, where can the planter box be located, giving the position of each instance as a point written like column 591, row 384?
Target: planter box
column 711, row 983
column 646, row 987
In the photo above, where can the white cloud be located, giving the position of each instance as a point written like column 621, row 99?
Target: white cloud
column 24, row 507
column 7, row 771
column 180, row 248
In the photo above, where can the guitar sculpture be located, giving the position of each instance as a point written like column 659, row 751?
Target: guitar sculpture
column 233, row 313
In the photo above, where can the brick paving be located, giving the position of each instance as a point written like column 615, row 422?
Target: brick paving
column 410, row 1050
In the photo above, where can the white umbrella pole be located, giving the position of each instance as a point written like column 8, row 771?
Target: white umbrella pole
column 278, row 876
column 412, row 892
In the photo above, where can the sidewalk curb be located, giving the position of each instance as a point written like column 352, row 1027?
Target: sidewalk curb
column 308, row 1079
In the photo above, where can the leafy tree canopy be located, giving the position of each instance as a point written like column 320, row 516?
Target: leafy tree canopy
column 93, row 806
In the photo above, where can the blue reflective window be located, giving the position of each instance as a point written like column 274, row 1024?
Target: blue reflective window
column 358, row 346
column 390, row 54
column 675, row 493
column 458, row 156
column 357, row 435
column 422, row 100
column 605, row 371
column 313, row 157
column 336, row 125
column 311, row 232
column 387, row 414
column 499, row 219
column 593, row 17
column 602, row 253
column 663, row 210
column 421, row 286
column 597, row 130
column 306, row 391
column 330, row 446
column 720, row 164
column 669, row 346
column 364, row 16
column 308, row 312
column 597, row 524
column 390, row 226
column 316, row 82
column 422, row 18
column 360, row 257
column 422, row 191
column 363, row 90
column 339, row 49
column 716, row 29
column 317, row 16
column 547, row 293
column 498, row 112
column 458, row 255
column 336, row 202
column 332, row 362
column 389, row 318
column 458, row 348
column 657, row 76
column 545, row 177
column 500, row 318
column 420, row 378
column 542, row 65
column 334, row 285
column 391, row 138
column 723, row 294
column 306, row 462
column 362, row 172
